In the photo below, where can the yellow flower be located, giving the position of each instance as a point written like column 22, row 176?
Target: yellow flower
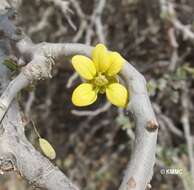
column 100, row 74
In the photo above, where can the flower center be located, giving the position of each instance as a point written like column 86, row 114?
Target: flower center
column 100, row 80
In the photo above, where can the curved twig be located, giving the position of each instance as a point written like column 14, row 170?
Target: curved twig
column 43, row 56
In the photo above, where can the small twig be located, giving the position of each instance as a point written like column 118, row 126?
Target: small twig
column 175, row 25
column 35, row 129
column 88, row 24
column 64, row 6
column 100, row 5
column 29, row 103
column 43, row 22
column 167, row 9
column 71, row 79
column 167, row 121
column 96, row 112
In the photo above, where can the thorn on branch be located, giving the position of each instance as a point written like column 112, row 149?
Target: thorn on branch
column 131, row 183
column 152, row 126
column 149, row 186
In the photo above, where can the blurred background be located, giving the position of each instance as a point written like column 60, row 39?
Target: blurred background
column 93, row 144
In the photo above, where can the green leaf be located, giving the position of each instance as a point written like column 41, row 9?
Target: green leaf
column 151, row 87
column 47, row 148
column 180, row 74
column 10, row 64
column 189, row 69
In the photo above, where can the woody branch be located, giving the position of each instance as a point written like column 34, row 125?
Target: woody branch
column 40, row 59
column 43, row 57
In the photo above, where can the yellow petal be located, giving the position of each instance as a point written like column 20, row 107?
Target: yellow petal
column 84, row 95
column 47, row 149
column 117, row 94
column 84, row 66
column 116, row 63
column 101, row 58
